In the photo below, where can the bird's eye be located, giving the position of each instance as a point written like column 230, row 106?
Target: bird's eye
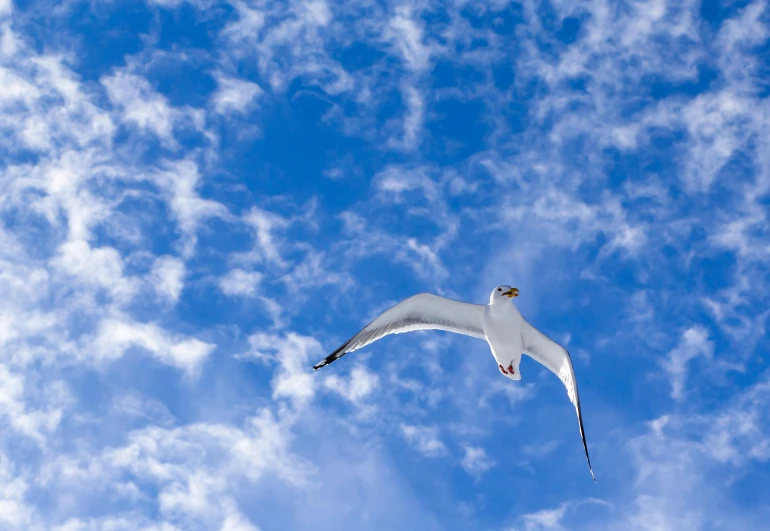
column 499, row 289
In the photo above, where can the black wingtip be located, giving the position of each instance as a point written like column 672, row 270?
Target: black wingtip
column 326, row 361
column 334, row 356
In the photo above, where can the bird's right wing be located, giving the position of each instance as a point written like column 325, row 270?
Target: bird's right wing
column 557, row 359
column 420, row 312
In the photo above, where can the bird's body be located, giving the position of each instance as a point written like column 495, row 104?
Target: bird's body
column 500, row 323
column 502, row 329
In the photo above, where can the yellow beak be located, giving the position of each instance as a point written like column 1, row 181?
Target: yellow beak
column 513, row 292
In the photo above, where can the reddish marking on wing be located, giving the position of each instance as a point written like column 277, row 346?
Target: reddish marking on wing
column 501, row 368
column 510, row 368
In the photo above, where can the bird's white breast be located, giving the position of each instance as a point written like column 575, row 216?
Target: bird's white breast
column 502, row 327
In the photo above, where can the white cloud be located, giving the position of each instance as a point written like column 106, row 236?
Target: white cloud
column 739, row 434
column 413, row 120
column 136, row 406
column 285, row 41
column 169, row 4
column 361, row 384
column 312, row 272
column 192, row 496
column 295, row 355
column 14, row 402
column 192, row 472
column 237, row 522
column 655, row 513
column 15, row 512
column 240, row 282
column 395, row 181
column 475, row 461
column 540, row 450
column 119, row 333
column 679, row 465
column 16, row 89
column 425, row 439
column 317, row 12
column 737, row 37
column 407, row 35
column 552, row 519
column 180, row 181
column 366, row 240
column 8, row 41
column 101, row 267
column 718, row 124
column 515, row 394
column 167, row 277
column 566, row 218
column 249, row 23
column 126, row 522
column 57, row 189
column 265, row 225
column 694, row 342
column 234, row 95
column 543, row 520
column 141, row 105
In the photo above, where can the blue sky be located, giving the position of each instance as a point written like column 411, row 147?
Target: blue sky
column 201, row 199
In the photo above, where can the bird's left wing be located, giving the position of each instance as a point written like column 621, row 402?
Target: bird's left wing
column 423, row 311
column 557, row 359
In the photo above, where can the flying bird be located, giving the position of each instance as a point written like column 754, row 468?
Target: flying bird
column 499, row 323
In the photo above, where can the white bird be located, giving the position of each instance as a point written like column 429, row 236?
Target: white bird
column 499, row 322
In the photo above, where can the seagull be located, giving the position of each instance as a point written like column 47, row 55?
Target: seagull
column 500, row 323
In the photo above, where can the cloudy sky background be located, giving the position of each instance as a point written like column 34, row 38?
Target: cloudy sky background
column 199, row 200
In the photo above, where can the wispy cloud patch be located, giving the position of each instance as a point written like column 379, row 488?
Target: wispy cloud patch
column 167, row 277
column 16, row 512
column 240, row 282
column 119, row 333
column 267, row 227
column 357, row 388
column 234, row 95
column 694, row 342
column 425, row 439
column 294, row 355
column 189, row 467
column 407, row 34
column 31, row 422
column 475, row 461
column 179, row 180
column 141, row 105
column 100, row 268
column 553, row 519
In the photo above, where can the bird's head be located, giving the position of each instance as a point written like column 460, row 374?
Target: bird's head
column 502, row 294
